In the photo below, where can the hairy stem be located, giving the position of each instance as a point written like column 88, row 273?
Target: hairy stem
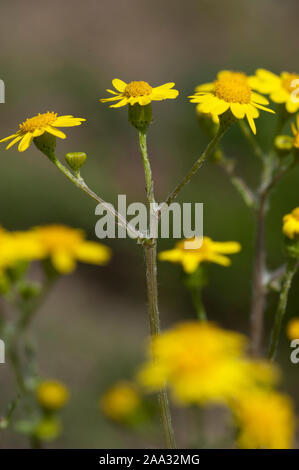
column 291, row 269
column 150, row 251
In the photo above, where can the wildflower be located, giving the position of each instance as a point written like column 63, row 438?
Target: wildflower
column 38, row 125
column 231, row 91
column 121, row 401
column 291, row 224
column 139, row 93
column 281, row 88
column 201, row 363
column 18, row 246
column 265, row 419
column 48, row 429
column 52, row 395
column 296, row 132
column 209, row 251
column 65, row 245
column 293, row 328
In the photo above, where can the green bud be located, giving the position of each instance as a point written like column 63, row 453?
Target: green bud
column 46, row 143
column 76, row 160
column 206, row 124
column 29, row 290
column 48, row 429
column 140, row 116
column 283, row 144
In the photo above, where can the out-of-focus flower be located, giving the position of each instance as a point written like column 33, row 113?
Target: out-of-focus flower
column 38, row 125
column 48, row 429
column 296, row 132
column 209, row 251
column 65, row 245
column 121, row 401
column 52, row 395
column 282, row 88
column 231, row 90
column 291, row 224
column 139, row 92
column 202, row 363
column 18, row 246
column 265, row 419
column 293, row 328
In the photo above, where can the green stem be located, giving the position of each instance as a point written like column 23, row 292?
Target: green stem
column 150, row 251
column 198, row 303
column 245, row 192
column 281, row 308
column 198, row 164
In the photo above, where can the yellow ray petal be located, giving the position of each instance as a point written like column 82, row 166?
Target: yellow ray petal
column 123, row 102
column 9, row 137
column 118, row 84
column 63, row 262
column 238, row 110
column 25, row 142
column 19, row 137
column 55, row 131
column 251, row 123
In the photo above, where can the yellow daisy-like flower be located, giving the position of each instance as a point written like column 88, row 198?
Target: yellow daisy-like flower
column 139, row 92
column 281, row 88
column 52, row 395
column 65, row 246
column 202, row 363
column 265, row 419
column 209, row 251
column 38, row 125
column 121, row 401
column 231, row 90
column 293, row 328
column 291, row 224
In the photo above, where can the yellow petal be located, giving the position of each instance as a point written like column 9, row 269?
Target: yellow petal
column 25, row 142
column 123, row 102
column 63, row 262
column 259, row 98
column 226, row 247
column 93, row 252
column 119, row 85
column 9, row 137
column 292, row 107
column 190, row 262
column 19, row 137
column 251, row 123
column 56, row 132
column 238, row 110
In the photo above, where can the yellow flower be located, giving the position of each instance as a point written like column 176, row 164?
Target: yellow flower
column 282, row 88
column 202, row 364
column 18, row 246
column 209, row 251
column 296, row 132
column 265, row 419
column 38, row 125
column 121, row 401
column 139, row 92
column 291, row 224
column 232, row 91
column 293, row 328
column 52, row 395
column 65, row 246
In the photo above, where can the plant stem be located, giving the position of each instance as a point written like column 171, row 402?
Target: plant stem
column 150, row 251
column 251, row 139
column 196, row 166
column 258, row 288
column 238, row 182
column 198, row 303
column 80, row 183
column 154, row 319
column 291, row 269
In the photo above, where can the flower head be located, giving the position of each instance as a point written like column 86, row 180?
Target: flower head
column 209, row 251
column 293, row 328
column 52, row 395
column 65, row 245
column 265, row 419
column 281, row 88
column 231, row 91
column 202, row 363
column 38, row 125
column 121, row 401
column 291, row 224
column 139, row 92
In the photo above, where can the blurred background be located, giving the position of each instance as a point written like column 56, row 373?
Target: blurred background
column 62, row 56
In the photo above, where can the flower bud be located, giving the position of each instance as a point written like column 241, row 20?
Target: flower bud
column 46, row 143
column 292, row 247
column 283, row 144
column 76, row 160
column 140, row 116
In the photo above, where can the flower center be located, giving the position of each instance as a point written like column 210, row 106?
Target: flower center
column 135, row 89
column 290, row 82
column 233, row 87
column 39, row 121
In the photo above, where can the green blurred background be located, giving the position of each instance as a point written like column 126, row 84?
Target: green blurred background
column 62, row 56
